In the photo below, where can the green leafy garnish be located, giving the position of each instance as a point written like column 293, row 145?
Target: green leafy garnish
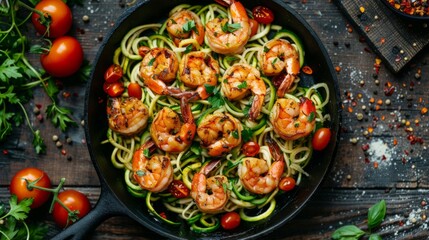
column 242, row 85
column 230, row 27
column 348, row 232
column 190, row 26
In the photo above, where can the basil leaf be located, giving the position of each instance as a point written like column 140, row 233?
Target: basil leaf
column 376, row 214
column 348, row 232
column 374, row 237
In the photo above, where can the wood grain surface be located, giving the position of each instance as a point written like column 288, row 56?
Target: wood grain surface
column 394, row 167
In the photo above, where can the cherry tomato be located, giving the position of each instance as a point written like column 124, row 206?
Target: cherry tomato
column 113, row 73
column 308, row 107
column 178, row 189
column 59, row 15
column 287, row 184
column 253, row 26
column 114, row 89
column 134, row 90
column 321, row 138
column 75, row 201
column 230, row 220
column 18, row 186
column 263, row 15
column 250, row 149
column 64, row 58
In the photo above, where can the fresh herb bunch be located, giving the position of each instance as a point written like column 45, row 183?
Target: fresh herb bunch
column 376, row 215
column 18, row 77
column 12, row 221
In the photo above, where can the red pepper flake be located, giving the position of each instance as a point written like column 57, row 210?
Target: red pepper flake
column 404, row 160
column 66, row 94
column 382, row 40
column 406, row 152
column 350, row 109
column 365, row 147
column 367, row 28
column 5, row 152
column 375, row 164
column 424, row 110
column 370, row 129
column 39, row 117
column 163, row 215
column 395, row 142
column 423, row 203
column 401, row 223
column 338, row 69
column 371, row 100
column 63, row 152
column 367, row 160
column 383, row 157
column 307, row 70
column 39, row 106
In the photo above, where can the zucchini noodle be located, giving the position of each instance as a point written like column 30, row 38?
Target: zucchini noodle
column 296, row 153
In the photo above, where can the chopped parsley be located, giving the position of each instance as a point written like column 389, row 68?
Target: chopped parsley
column 230, row 27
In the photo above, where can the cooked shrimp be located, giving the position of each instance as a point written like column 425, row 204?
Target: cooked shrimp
column 167, row 131
column 127, row 116
column 185, row 24
column 279, row 56
column 209, row 194
column 229, row 38
column 197, row 69
column 152, row 173
column 238, row 80
column 158, row 67
column 219, row 132
column 291, row 119
column 255, row 174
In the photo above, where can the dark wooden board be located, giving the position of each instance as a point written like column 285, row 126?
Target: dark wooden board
column 395, row 39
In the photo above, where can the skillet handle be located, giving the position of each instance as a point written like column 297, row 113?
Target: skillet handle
column 106, row 207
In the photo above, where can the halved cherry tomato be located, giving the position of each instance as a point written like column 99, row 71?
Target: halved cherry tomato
column 308, row 107
column 64, row 57
column 253, row 26
column 178, row 189
column 18, row 186
column 287, row 184
column 263, row 14
column 230, row 220
column 114, row 89
column 75, row 201
column 113, row 73
column 250, row 149
column 58, row 17
column 321, row 138
column 134, row 90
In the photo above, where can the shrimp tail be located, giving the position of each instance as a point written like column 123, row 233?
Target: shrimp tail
column 285, row 84
column 210, row 167
column 256, row 107
column 274, row 149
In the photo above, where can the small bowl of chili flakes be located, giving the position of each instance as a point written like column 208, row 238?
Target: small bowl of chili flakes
column 410, row 9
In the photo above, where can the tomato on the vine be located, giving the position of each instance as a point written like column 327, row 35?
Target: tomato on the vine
column 134, row 90
column 64, row 57
column 178, row 189
column 57, row 16
column 18, row 185
column 230, row 220
column 321, row 138
column 73, row 200
column 250, row 149
column 263, row 14
column 113, row 74
column 287, row 184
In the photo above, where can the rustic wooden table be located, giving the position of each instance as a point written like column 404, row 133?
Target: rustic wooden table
column 394, row 167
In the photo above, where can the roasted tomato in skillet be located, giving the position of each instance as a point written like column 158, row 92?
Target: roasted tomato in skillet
column 263, row 14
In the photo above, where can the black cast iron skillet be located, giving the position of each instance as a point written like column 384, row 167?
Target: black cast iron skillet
column 115, row 200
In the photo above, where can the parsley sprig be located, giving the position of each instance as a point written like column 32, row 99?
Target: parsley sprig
column 18, row 77
column 13, row 224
